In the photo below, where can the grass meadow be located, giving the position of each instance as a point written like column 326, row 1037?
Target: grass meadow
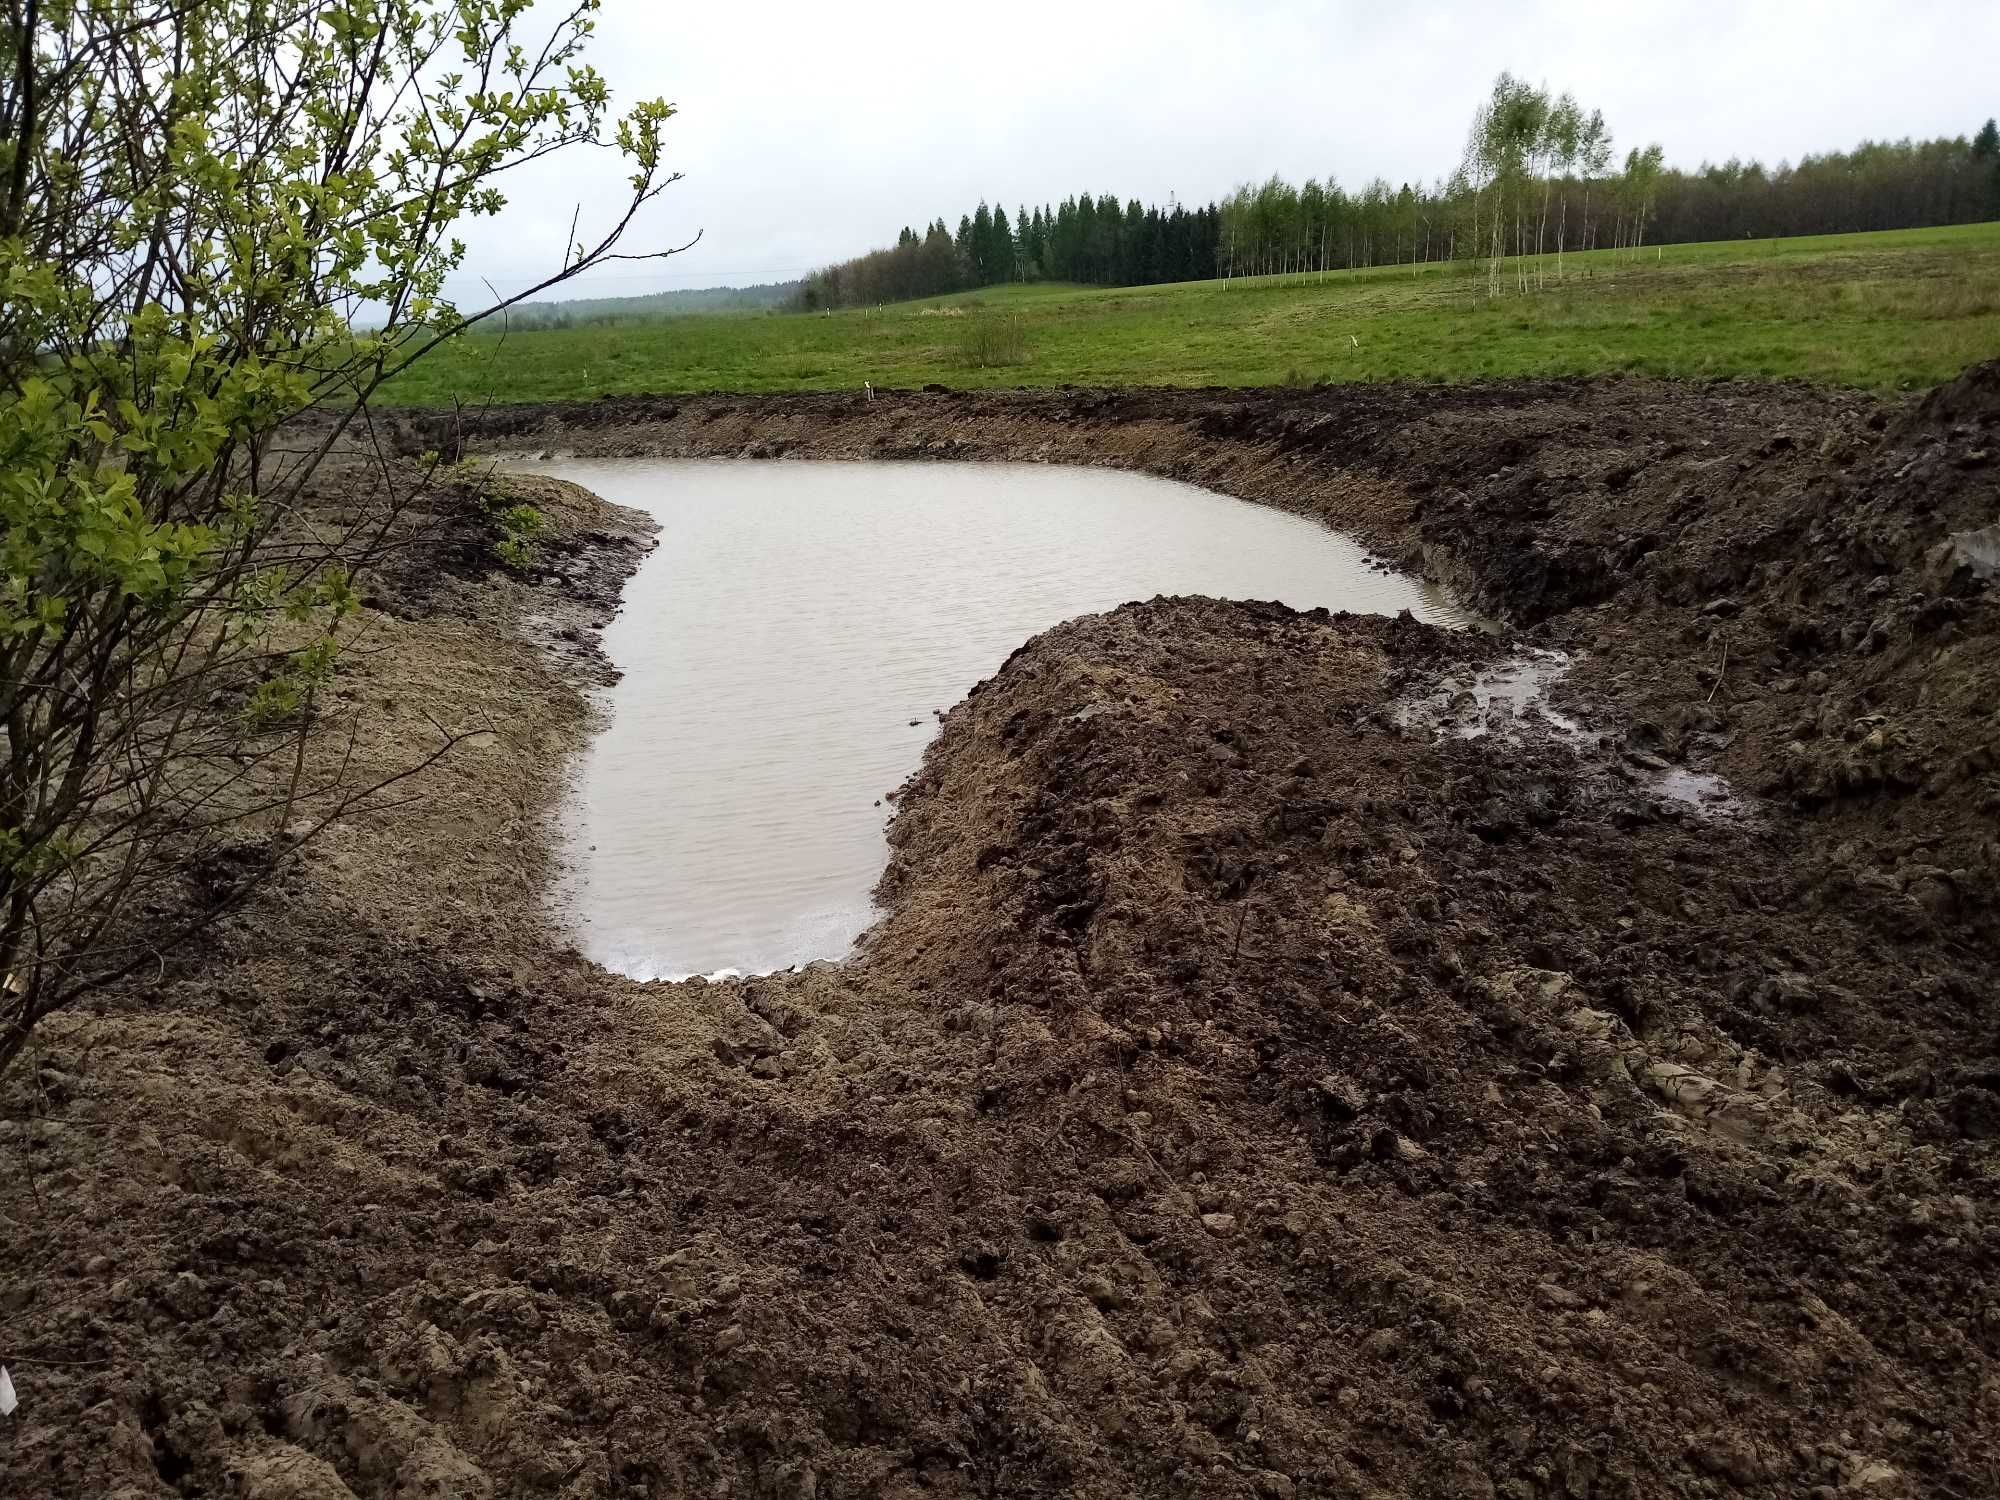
column 1886, row 311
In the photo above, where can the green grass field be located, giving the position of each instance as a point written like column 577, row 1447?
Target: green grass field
column 1883, row 311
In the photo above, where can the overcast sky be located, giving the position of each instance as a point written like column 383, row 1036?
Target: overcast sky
column 812, row 131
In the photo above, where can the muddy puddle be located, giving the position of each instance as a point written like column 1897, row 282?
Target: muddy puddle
column 787, row 649
column 1513, row 699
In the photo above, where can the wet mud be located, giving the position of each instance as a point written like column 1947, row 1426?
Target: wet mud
column 1304, row 1054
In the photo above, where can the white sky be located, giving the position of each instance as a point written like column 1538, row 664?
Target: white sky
column 812, row 130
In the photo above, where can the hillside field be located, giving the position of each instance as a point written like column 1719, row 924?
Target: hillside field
column 1903, row 309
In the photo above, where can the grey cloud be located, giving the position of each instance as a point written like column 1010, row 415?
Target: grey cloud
column 810, row 132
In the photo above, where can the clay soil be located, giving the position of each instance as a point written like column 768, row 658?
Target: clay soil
column 1257, row 1086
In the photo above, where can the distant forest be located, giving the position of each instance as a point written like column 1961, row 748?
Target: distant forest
column 1538, row 175
column 596, row 311
column 1092, row 240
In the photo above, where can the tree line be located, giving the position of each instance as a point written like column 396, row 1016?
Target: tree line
column 599, row 312
column 1094, row 240
column 1877, row 185
column 1539, row 177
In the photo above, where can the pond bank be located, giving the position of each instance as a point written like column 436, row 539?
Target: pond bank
column 1254, row 1090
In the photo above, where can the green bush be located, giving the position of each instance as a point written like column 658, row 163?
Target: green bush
column 192, row 198
column 991, row 341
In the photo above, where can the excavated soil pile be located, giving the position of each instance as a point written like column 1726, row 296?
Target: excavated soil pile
column 1260, row 1086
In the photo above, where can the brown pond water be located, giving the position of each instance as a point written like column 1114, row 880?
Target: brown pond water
column 786, row 648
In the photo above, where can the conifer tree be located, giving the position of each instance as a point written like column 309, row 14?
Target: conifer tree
column 982, row 243
column 999, row 248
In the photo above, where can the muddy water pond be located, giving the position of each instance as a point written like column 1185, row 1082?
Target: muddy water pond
column 786, row 648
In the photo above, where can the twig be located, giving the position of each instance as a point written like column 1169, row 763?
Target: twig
column 1719, row 671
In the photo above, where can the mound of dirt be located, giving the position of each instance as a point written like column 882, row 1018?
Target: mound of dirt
column 1261, row 1084
column 1516, row 1129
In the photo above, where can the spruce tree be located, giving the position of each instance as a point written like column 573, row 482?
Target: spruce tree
column 999, row 248
column 982, row 244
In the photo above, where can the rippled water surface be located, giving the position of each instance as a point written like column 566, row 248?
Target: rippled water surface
column 795, row 620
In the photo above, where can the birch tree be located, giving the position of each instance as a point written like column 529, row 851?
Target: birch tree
column 1563, row 135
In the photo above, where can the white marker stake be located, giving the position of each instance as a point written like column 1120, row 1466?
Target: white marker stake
column 7, row 1401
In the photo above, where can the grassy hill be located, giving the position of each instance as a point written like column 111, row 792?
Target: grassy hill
column 1883, row 311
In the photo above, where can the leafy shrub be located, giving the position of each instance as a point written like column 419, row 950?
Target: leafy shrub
column 990, row 341
column 192, row 198
column 519, row 526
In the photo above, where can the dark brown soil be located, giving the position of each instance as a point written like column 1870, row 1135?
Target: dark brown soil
column 1256, row 1088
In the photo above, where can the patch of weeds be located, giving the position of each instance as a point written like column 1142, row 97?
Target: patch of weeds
column 516, row 526
column 992, row 340
column 279, row 697
column 519, row 529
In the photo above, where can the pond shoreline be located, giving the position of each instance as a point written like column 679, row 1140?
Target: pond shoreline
column 787, row 655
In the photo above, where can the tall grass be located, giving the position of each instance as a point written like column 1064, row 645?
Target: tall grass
column 993, row 341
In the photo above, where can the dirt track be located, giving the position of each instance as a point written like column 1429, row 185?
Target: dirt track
column 1256, row 1088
